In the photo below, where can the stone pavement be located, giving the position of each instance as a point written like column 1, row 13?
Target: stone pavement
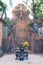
column 34, row 59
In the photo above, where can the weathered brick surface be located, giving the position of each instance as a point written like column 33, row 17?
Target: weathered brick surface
column 1, row 26
column 22, row 24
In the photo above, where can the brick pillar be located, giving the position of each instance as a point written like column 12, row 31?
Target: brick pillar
column 1, row 25
column 32, row 42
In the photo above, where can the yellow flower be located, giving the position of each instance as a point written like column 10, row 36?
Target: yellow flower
column 26, row 44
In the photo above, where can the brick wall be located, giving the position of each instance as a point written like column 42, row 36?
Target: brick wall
column 1, row 25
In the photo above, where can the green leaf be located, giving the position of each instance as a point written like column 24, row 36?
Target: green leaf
column 0, row 9
column 31, row 24
column 1, row 3
column 8, row 22
column 38, row 7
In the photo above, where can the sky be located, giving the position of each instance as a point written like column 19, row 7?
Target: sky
column 15, row 2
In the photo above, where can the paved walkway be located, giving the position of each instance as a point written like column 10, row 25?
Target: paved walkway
column 9, row 59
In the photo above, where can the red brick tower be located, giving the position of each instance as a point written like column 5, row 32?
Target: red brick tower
column 21, row 16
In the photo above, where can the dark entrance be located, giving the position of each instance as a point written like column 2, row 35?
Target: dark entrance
column 6, row 46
